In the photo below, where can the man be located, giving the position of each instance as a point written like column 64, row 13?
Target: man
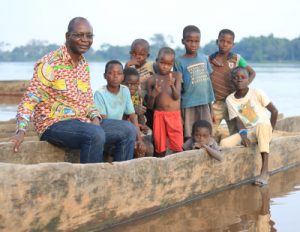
column 59, row 99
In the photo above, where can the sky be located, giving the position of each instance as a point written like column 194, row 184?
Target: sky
column 119, row 22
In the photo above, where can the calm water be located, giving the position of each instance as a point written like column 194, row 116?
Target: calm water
column 281, row 82
column 246, row 208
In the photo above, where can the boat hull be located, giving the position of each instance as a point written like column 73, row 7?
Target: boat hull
column 65, row 196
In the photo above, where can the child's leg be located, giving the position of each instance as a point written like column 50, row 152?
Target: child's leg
column 231, row 141
column 159, row 132
column 219, row 108
column 264, row 134
column 174, row 130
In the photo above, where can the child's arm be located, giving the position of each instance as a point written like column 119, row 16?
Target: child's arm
column 251, row 72
column 140, row 144
column 215, row 153
column 213, row 118
column 175, row 84
column 153, row 92
column 274, row 114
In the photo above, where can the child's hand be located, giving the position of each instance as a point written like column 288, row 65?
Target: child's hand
column 171, row 80
column 132, row 62
column 157, row 88
column 140, row 109
column 197, row 146
column 246, row 142
column 140, row 149
column 144, row 129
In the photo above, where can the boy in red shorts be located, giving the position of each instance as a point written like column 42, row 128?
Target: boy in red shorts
column 164, row 97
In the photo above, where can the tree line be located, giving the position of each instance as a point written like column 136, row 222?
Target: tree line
column 254, row 49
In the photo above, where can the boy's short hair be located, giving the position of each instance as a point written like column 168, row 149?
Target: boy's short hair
column 112, row 62
column 143, row 42
column 166, row 50
column 226, row 31
column 237, row 69
column 130, row 71
column 190, row 28
column 201, row 123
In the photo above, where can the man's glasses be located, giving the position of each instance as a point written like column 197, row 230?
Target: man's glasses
column 80, row 36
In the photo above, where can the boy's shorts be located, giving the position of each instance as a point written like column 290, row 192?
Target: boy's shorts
column 193, row 114
column 167, row 125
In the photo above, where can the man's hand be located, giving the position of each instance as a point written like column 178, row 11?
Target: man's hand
column 96, row 121
column 17, row 140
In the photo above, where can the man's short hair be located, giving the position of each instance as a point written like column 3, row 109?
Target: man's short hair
column 74, row 21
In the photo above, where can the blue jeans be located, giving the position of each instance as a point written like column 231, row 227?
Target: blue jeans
column 90, row 138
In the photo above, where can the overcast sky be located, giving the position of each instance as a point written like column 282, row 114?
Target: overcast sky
column 119, row 22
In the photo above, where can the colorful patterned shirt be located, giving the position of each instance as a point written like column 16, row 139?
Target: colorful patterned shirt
column 58, row 91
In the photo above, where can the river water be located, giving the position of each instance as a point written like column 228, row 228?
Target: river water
column 281, row 82
column 246, row 208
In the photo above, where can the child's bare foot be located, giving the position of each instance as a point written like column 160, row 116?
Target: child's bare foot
column 262, row 180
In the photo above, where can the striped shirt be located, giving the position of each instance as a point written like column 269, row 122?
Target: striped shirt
column 221, row 76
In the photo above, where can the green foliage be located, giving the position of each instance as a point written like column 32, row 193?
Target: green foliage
column 258, row 49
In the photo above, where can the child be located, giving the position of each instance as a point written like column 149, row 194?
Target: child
column 113, row 100
column 164, row 97
column 139, row 53
column 131, row 80
column 197, row 93
column 222, row 63
column 247, row 109
column 201, row 138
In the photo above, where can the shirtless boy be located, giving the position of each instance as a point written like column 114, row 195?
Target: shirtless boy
column 164, row 97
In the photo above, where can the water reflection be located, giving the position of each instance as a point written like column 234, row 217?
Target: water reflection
column 246, row 208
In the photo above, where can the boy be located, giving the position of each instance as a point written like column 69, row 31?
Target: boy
column 113, row 100
column 202, row 139
column 222, row 63
column 164, row 97
column 139, row 53
column 247, row 109
column 197, row 93
column 131, row 80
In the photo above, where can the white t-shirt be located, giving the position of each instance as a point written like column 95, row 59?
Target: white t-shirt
column 251, row 109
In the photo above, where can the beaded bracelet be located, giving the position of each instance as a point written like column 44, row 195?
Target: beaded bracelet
column 243, row 132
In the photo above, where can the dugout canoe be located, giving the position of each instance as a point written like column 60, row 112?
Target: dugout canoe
column 40, row 191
